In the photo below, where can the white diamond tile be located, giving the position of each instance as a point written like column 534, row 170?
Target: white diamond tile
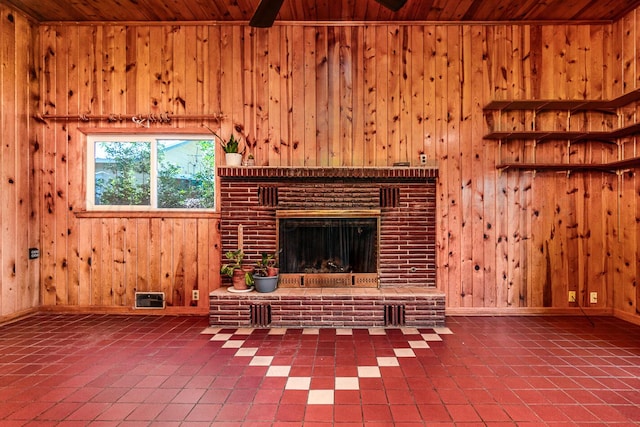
column 347, row 383
column 233, row 344
column 278, row 371
column 418, row 344
column 320, row 397
column 298, row 383
column 431, row 337
column 442, row 330
column 344, row 331
column 261, row 361
column 388, row 361
column 221, row 337
column 404, row 352
column 247, row 352
column 369, row 372
column 277, row 331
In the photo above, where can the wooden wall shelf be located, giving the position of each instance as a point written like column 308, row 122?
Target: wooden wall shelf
column 572, row 137
column 611, row 167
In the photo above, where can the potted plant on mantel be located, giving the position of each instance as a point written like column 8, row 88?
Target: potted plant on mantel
column 231, row 148
column 265, row 275
column 241, row 277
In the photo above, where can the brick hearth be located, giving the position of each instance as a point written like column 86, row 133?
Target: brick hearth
column 350, row 308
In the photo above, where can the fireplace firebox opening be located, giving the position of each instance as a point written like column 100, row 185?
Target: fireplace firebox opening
column 328, row 248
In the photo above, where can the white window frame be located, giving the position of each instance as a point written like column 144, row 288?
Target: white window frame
column 139, row 137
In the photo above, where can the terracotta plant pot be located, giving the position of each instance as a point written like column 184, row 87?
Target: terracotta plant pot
column 238, row 279
column 272, row 271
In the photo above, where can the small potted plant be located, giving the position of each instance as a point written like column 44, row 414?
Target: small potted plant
column 231, row 148
column 241, row 278
column 265, row 275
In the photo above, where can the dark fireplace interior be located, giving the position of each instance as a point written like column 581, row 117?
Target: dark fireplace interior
column 328, row 245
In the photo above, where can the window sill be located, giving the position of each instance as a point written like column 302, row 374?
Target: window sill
column 147, row 214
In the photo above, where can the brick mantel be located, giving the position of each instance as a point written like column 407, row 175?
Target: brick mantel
column 395, row 173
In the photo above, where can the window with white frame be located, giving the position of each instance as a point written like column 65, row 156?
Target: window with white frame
column 146, row 172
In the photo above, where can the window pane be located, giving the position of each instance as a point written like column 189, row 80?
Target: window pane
column 122, row 173
column 186, row 173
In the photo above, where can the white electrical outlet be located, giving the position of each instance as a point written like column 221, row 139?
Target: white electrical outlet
column 195, row 295
column 423, row 159
column 593, row 297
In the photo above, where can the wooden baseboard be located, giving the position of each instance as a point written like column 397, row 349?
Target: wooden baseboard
column 18, row 315
column 629, row 317
column 168, row 311
column 525, row 311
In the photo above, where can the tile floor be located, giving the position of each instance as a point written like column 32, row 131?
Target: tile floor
column 99, row 370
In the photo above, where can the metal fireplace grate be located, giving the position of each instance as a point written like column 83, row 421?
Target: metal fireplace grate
column 394, row 315
column 260, row 314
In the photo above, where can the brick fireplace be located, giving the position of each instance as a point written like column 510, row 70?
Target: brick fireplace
column 402, row 200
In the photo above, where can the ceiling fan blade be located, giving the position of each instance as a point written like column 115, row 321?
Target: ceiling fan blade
column 266, row 13
column 394, row 5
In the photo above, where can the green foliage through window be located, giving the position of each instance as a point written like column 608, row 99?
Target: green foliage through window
column 180, row 173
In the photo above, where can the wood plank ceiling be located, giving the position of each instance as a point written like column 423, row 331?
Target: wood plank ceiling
column 326, row 10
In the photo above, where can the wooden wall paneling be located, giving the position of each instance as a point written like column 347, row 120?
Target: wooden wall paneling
column 310, row 112
column 430, row 79
column 167, row 66
column 155, row 97
column 8, row 168
column 529, row 70
column 25, row 53
column 61, row 177
column 190, row 266
column 137, row 69
column 95, row 262
column 286, row 94
column 106, row 284
column 415, row 88
column 382, row 155
column 489, row 178
column 192, row 86
column 467, row 236
column 118, row 261
column 322, row 97
column 358, row 116
column 141, row 273
column 249, row 81
column 167, row 267
column 129, row 260
column 236, row 66
column 445, row 258
column 396, row 148
column 84, row 257
column 75, row 195
column 501, row 57
column 297, row 87
column 334, row 142
column 453, row 96
column 346, row 60
column 475, row 88
column 515, row 225
column 178, row 71
column 274, row 81
column 176, row 265
column 369, row 97
column 261, row 149
column 155, row 266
